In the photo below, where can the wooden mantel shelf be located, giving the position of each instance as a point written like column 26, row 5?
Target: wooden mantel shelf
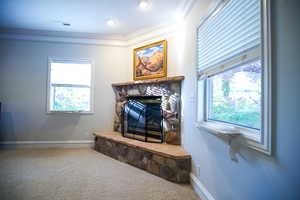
column 150, row 81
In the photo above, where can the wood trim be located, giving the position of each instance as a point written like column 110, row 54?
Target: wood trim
column 200, row 189
column 46, row 144
column 150, row 81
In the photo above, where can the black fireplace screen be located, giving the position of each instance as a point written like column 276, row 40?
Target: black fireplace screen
column 142, row 118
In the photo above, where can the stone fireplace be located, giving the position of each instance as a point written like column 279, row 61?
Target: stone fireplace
column 169, row 89
column 167, row 160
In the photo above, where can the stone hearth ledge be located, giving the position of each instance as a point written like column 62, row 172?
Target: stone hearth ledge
column 167, row 150
column 167, row 161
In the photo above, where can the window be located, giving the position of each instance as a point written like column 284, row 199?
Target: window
column 235, row 96
column 70, row 86
column 234, row 87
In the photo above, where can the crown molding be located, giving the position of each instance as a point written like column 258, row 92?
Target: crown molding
column 141, row 36
column 187, row 6
column 88, row 41
column 159, row 30
column 130, row 39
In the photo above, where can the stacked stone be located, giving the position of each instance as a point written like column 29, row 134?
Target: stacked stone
column 170, row 91
column 172, row 169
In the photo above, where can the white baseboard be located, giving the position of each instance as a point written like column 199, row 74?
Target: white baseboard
column 46, row 144
column 200, row 188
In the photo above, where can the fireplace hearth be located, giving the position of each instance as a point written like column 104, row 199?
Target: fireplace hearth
column 143, row 118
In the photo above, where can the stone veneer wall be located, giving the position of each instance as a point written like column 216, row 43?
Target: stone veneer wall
column 169, row 89
column 172, row 169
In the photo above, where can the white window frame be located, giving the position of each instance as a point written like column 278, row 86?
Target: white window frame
column 260, row 141
column 75, row 61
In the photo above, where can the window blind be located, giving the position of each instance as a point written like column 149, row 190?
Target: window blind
column 230, row 32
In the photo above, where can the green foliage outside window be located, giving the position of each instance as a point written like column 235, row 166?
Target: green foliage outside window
column 71, row 99
column 235, row 96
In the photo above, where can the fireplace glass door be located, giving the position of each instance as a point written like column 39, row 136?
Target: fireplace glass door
column 142, row 118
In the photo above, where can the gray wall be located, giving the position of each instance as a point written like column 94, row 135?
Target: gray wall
column 255, row 176
column 23, row 76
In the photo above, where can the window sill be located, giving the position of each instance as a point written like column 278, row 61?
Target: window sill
column 252, row 138
column 217, row 129
column 70, row 112
column 228, row 130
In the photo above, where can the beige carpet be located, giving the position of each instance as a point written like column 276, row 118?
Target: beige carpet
column 75, row 174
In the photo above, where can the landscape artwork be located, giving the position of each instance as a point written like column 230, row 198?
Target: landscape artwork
column 150, row 61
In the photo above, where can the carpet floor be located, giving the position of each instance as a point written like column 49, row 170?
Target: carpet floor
column 80, row 174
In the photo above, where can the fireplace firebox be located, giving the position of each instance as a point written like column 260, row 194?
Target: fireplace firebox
column 143, row 118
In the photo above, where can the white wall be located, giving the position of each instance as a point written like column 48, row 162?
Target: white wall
column 255, row 175
column 23, row 79
column 172, row 59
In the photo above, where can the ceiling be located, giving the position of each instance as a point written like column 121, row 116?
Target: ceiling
column 87, row 17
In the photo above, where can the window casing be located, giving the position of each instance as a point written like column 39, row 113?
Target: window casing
column 240, row 50
column 70, row 86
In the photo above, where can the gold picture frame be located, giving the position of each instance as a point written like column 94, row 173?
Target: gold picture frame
column 150, row 61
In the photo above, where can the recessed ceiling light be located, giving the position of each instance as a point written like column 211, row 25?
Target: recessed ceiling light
column 66, row 24
column 61, row 23
column 144, row 4
column 111, row 22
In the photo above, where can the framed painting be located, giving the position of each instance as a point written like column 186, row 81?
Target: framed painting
column 150, row 61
